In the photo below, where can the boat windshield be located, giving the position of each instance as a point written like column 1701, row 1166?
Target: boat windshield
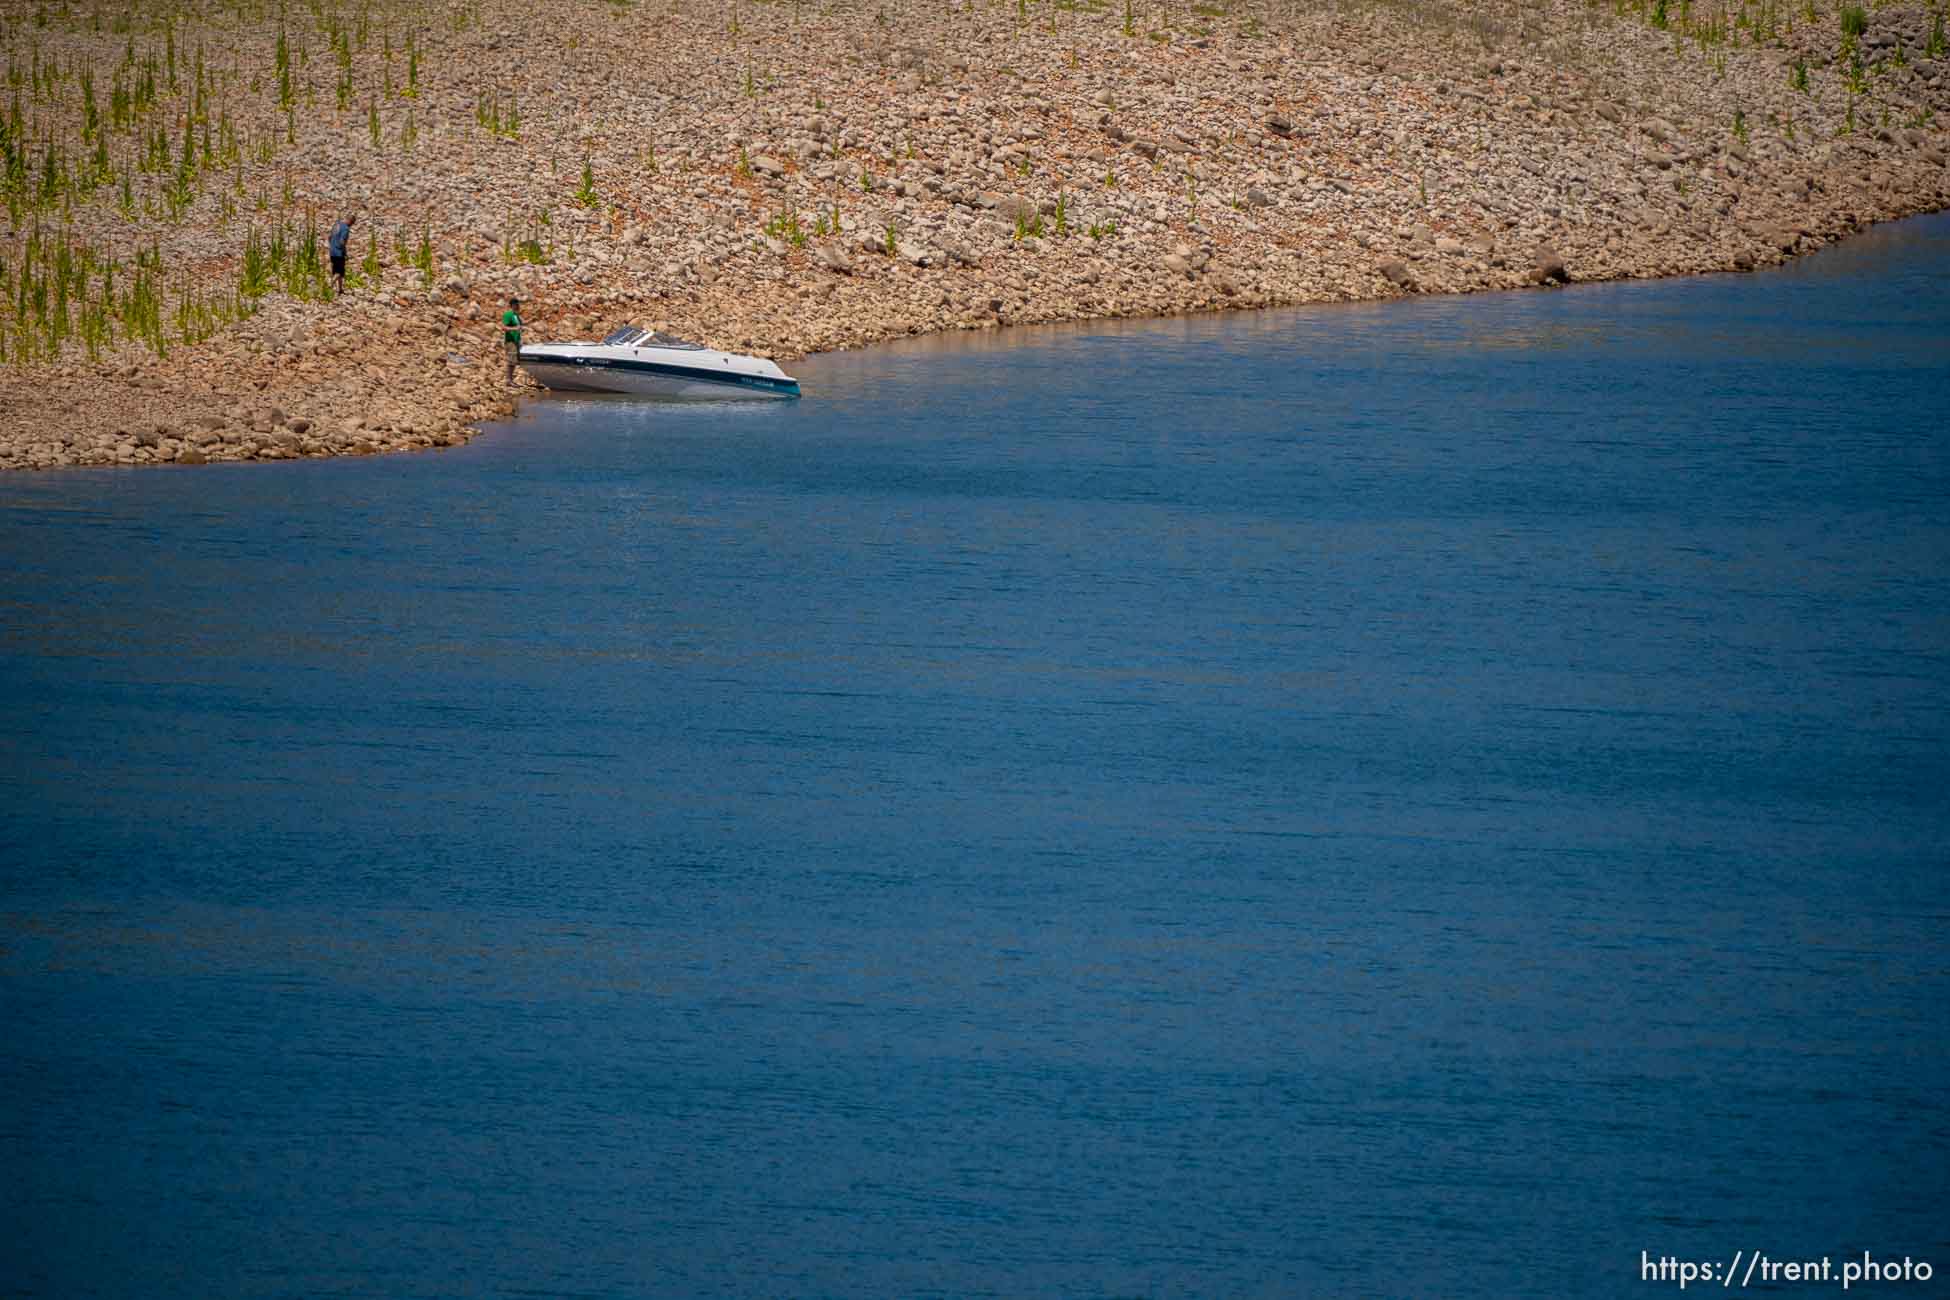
column 629, row 336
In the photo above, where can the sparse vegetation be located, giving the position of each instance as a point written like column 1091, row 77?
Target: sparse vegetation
column 284, row 261
column 494, row 120
column 785, row 228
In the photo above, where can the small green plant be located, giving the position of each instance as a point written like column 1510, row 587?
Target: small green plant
column 372, row 123
column 893, row 244
column 283, row 260
column 785, row 228
column 1855, row 21
column 487, row 111
column 1110, row 180
column 528, row 250
column 1798, row 78
column 1062, row 227
column 1029, row 225
column 586, row 192
column 255, row 279
column 420, row 257
column 744, row 167
column 286, row 96
column 1102, row 229
column 1858, row 76
column 1740, row 125
column 1937, row 46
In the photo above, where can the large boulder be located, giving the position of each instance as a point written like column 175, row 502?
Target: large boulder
column 1549, row 268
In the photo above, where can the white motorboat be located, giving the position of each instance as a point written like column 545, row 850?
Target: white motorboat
column 649, row 364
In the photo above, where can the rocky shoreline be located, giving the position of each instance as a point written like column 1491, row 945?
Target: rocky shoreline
column 786, row 178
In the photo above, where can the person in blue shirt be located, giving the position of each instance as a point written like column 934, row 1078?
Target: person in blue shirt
column 341, row 235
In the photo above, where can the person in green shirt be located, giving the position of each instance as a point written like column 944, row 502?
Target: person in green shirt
column 511, row 334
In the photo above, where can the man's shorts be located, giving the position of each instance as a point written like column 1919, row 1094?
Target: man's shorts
column 338, row 265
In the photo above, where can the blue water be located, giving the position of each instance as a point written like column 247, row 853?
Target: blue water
column 1429, row 798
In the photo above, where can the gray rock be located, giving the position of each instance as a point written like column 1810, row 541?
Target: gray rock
column 1278, row 124
column 766, row 165
column 1395, row 272
column 1016, row 208
column 191, row 456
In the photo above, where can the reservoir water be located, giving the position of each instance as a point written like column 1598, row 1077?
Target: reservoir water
column 1435, row 797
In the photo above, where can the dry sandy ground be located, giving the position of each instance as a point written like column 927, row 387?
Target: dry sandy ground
column 791, row 177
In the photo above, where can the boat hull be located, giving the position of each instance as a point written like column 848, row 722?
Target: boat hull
column 647, row 378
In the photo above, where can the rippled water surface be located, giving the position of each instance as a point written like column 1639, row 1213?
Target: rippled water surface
column 1435, row 797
